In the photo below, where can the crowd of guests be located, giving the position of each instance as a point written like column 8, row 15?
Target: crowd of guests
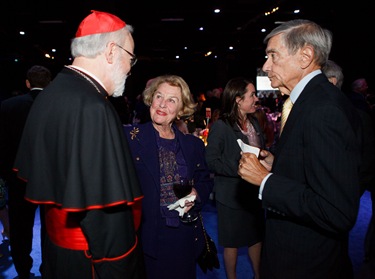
column 104, row 170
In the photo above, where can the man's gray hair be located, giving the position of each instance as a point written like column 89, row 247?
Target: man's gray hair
column 299, row 33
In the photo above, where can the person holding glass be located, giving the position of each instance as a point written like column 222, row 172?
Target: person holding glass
column 164, row 156
column 240, row 216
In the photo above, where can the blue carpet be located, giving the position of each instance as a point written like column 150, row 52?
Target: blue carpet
column 244, row 270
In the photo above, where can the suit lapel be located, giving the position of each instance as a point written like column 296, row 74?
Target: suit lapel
column 148, row 150
column 295, row 114
column 187, row 151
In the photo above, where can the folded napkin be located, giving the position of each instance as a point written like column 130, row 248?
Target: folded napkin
column 248, row 148
column 180, row 204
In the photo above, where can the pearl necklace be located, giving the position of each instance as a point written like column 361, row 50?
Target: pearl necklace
column 85, row 77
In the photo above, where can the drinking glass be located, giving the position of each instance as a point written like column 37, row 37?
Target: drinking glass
column 182, row 188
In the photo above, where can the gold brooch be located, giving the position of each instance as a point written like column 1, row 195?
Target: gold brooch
column 134, row 133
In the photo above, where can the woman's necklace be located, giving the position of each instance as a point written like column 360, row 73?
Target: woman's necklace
column 85, row 77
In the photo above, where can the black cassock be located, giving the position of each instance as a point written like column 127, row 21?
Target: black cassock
column 76, row 161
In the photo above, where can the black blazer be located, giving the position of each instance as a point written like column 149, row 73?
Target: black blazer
column 312, row 198
column 222, row 155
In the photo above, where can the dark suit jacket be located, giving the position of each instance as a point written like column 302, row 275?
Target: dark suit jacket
column 367, row 174
column 223, row 154
column 313, row 196
column 13, row 115
column 145, row 155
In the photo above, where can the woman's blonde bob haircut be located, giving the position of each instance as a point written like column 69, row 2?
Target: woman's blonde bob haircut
column 188, row 104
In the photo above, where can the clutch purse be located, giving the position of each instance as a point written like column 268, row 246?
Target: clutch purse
column 208, row 259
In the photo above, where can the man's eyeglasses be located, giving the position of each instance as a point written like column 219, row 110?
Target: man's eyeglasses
column 133, row 59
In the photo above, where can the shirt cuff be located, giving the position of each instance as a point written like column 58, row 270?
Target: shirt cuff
column 262, row 185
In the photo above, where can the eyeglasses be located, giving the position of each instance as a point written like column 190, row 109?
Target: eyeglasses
column 133, row 59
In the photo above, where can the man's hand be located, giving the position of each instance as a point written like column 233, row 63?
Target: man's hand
column 252, row 170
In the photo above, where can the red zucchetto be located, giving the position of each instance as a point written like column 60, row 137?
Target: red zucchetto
column 99, row 22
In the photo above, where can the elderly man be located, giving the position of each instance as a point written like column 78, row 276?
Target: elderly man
column 76, row 162
column 310, row 186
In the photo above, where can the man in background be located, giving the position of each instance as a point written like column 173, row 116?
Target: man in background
column 367, row 175
column 358, row 94
column 13, row 115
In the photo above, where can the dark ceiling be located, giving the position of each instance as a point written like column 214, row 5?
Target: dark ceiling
column 159, row 38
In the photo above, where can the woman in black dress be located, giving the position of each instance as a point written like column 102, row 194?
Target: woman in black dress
column 240, row 216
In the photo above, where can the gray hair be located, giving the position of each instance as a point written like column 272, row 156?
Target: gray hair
column 299, row 33
column 331, row 69
column 92, row 45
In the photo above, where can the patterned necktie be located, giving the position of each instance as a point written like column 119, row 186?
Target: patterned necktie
column 284, row 114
